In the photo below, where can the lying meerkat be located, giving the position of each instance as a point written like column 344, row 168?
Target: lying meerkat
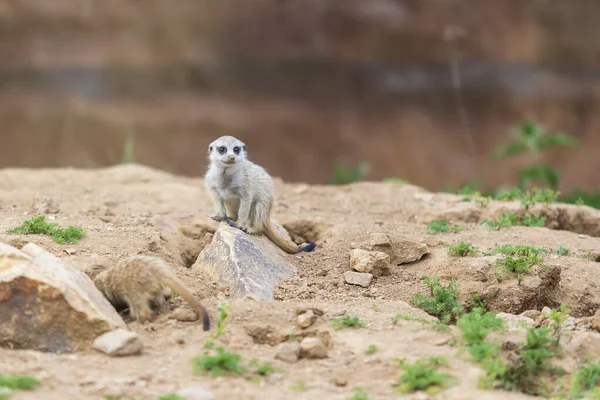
column 140, row 280
column 243, row 192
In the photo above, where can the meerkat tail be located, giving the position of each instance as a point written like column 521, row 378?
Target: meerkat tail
column 286, row 245
column 185, row 294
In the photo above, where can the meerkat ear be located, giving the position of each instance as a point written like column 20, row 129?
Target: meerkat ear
column 244, row 147
column 210, row 149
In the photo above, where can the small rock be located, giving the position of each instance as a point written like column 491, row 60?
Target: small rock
column 306, row 320
column 596, row 321
column 358, row 278
column 509, row 345
column 340, row 382
column 196, row 393
column 288, row 352
column 312, row 347
column 515, row 323
column 118, row 343
column 546, row 312
column 569, row 324
column 71, row 251
column 373, row 262
column 533, row 314
column 379, row 239
column 46, row 206
column 583, row 346
column 183, row 314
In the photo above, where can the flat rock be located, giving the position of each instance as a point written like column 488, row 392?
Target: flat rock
column 183, row 314
column 373, row 262
column 312, row 347
column 288, row 352
column 196, row 393
column 583, row 346
column 250, row 265
column 47, row 306
column 401, row 249
column 118, row 343
column 358, row 278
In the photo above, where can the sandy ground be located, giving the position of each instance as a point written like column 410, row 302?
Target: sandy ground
column 130, row 209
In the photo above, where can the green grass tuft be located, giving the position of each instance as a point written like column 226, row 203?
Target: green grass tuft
column 441, row 302
column 172, row 396
column 585, row 379
column 359, row 394
column 562, row 251
column 39, row 226
column 463, row 249
column 372, row 349
column 423, row 374
column 441, row 225
column 508, row 220
column 347, row 322
column 221, row 364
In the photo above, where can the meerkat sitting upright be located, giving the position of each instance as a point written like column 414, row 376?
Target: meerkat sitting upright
column 140, row 280
column 243, row 192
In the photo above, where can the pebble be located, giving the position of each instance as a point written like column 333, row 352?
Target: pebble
column 311, row 347
column 118, row 342
column 306, row 319
column 183, row 314
column 288, row 352
column 196, row 393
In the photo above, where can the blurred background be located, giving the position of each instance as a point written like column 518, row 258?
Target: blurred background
column 321, row 91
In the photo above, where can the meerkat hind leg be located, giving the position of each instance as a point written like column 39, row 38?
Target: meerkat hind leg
column 139, row 309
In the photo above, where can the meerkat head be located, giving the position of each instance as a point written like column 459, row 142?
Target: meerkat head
column 227, row 151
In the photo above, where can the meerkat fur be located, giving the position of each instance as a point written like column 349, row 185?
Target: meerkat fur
column 140, row 280
column 243, row 193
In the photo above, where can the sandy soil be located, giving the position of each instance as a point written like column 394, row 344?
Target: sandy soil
column 129, row 210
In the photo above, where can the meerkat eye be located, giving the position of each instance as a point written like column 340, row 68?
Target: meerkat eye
column 236, row 150
column 222, row 149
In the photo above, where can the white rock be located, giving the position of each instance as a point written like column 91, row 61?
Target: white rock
column 118, row 343
column 311, row 347
column 515, row 323
column 196, row 393
column 288, row 352
column 306, row 319
column 358, row 278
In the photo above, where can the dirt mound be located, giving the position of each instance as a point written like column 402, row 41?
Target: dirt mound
column 132, row 210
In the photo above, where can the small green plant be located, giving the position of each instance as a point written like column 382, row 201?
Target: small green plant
column 39, row 226
column 372, row 349
column 437, row 325
column 558, row 318
column 223, row 313
column 504, row 194
column 441, row 302
column 516, row 250
column 547, row 196
column 478, row 300
column 562, row 251
column 172, row 396
column 359, row 394
column 396, row 180
column 531, row 139
column 509, row 219
column 521, row 265
column 262, row 369
column 424, row 374
column 128, row 149
column 347, row 322
column 9, row 384
column 585, row 379
column 462, row 249
column 589, row 256
column 343, row 174
column 223, row 363
column 376, row 308
column 441, row 225
column 475, row 326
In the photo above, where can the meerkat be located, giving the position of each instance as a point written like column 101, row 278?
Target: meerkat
column 243, row 192
column 138, row 281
